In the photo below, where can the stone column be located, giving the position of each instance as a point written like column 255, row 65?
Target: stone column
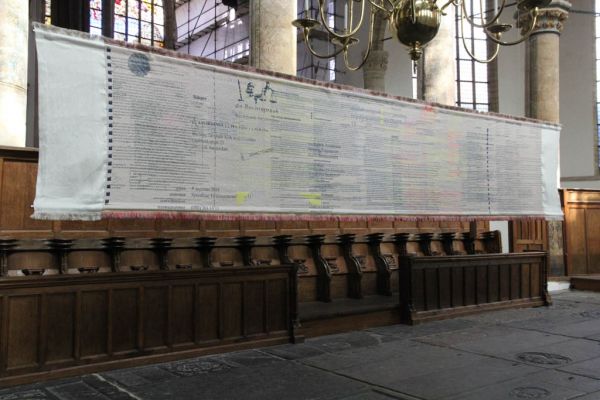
column 542, row 62
column 542, row 94
column 272, row 36
column 14, row 22
column 376, row 66
column 437, row 67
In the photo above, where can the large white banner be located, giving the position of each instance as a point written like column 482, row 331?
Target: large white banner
column 125, row 132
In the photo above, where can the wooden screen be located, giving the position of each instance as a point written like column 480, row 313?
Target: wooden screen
column 442, row 287
column 51, row 324
column 528, row 235
column 582, row 228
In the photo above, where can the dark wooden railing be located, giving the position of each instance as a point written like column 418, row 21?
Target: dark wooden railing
column 61, row 325
column 445, row 286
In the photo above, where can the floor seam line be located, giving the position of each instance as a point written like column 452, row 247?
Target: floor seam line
column 399, row 393
column 116, row 386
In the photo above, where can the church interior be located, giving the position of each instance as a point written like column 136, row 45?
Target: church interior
column 85, row 296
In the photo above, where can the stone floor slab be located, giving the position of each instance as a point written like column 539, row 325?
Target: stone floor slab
column 572, row 326
column 550, row 353
column 401, row 358
column 547, row 385
column 270, row 381
column 589, row 368
column 494, row 340
column 558, row 354
column 460, row 379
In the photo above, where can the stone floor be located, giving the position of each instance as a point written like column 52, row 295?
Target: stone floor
column 543, row 353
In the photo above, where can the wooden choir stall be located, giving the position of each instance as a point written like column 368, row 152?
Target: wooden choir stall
column 247, row 216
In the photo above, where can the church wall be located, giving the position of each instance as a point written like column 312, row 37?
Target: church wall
column 577, row 98
column 398, row 78
column 511, row 80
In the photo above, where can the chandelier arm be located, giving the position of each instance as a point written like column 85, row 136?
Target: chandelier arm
column 381, row 8
column 456, row 3
column 367, row 52
column 306, row 37
column 481, row 12
column 483, row 25
column 471, row 54
column 522, row 39
column 391, row 3
column 479, row 60
column 347, row 35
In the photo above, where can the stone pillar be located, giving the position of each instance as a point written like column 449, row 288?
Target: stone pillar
column 437, row 67
column 272, row 35
column 375, row 67
column 14, row 22
column 542, row 95
column 542, row 62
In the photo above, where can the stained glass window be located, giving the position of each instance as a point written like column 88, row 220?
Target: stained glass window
column 96, row 17
column 135, row 20
column 140, row 21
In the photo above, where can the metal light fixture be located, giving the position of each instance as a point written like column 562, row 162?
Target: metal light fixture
column 414, row 23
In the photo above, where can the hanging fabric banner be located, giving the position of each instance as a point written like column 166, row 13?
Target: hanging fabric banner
column 127, row 131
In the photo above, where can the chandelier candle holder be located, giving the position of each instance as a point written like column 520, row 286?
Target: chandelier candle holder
column 414, row 23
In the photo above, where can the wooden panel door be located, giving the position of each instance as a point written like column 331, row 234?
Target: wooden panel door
column 582, row 228
column 592, row 227
column 528, row 235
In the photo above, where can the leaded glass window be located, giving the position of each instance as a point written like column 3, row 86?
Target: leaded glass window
column 139, row 21
column 471, row 76
column 96, row 17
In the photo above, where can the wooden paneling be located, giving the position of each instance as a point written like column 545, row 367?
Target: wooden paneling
column 50, row 323
column 124, row 321
column 528, row 235
column 23, row 332
column 254, row 307
column 60, row 320
column 155, row 317
column 582, row 231
column 231, row 304
column 93, row 338
column 441, row 287
column 182, row 315
column 277, row 295
column 17, row 195
column 208, row 306
column 592, row 225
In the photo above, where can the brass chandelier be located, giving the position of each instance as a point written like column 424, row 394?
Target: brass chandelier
column 414, row 23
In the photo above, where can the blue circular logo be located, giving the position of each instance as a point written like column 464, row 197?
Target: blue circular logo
column 139, row 64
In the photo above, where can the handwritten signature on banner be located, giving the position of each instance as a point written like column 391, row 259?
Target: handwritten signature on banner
column 265, row 94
